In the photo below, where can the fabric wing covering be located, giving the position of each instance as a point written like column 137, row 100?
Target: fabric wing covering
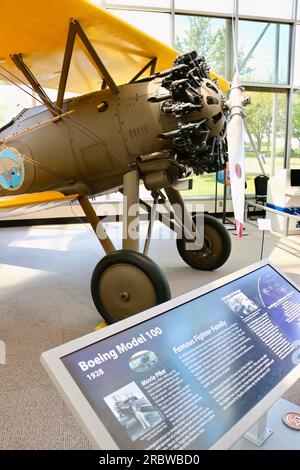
column 38, row 30
column 13, row 206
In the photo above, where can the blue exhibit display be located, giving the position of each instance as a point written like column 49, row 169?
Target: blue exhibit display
column 184, row 378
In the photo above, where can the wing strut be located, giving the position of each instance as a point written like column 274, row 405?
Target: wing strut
column 96, row 224
column 76, row 29
column 18, row 61
column 151, row 64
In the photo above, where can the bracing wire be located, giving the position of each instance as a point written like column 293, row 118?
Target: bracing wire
column 73, row 120
column 41, row 102
column 80, row 127
column 87, row 226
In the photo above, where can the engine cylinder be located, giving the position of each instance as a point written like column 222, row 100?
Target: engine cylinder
column 199, row 107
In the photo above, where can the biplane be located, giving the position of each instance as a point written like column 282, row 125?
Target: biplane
column 143, row 113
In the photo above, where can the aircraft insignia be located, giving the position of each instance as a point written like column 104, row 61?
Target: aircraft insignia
column 12, row 170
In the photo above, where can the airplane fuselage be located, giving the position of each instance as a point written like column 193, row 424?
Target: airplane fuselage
column 91, row 146
column 165, row 124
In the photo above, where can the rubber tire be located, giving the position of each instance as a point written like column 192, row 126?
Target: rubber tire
column 138, row 260
column 223, row 235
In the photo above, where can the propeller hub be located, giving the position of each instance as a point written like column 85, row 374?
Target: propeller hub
column 246, row 100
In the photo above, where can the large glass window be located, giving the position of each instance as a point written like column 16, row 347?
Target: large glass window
column 205, row 35
column 297, row 58
column 264, row 52
column 203, row 186
column 295, row 147
column 12, row 101
column 216, row 6
column 266, row 136
column 140, row 3
column 157, row 25
column 269, row 9
column 99, row 3
column 265, row 141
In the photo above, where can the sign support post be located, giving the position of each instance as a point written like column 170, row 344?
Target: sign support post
column 259, row 433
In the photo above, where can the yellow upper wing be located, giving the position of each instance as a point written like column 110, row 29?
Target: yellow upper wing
column 38, row 29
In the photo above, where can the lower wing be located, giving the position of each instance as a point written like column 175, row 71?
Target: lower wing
column 13, row 206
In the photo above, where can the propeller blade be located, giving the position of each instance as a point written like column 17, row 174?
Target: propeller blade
column 236, row 151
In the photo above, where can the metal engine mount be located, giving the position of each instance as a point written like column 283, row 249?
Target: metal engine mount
column 199, row 107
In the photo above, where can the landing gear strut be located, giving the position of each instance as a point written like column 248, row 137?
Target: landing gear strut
column 125, row 282
column 216, row 247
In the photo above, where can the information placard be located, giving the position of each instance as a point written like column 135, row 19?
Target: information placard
column 184, row 378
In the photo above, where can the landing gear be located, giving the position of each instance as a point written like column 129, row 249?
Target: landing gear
column 125, row 283
column 216, row 249
column 217, row 242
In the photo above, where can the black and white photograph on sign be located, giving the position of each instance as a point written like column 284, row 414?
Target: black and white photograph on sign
column 239, row 303
column 143, row 361
column 133, row 410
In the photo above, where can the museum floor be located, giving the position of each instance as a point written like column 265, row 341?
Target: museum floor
column 45, row 301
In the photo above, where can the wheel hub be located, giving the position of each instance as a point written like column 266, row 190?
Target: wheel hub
column 126, row 290
column 125, row 296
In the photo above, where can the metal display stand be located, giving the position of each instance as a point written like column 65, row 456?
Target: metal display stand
column 225, row 220
column 283, row 438
column 271, row 211
column 259, row 433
